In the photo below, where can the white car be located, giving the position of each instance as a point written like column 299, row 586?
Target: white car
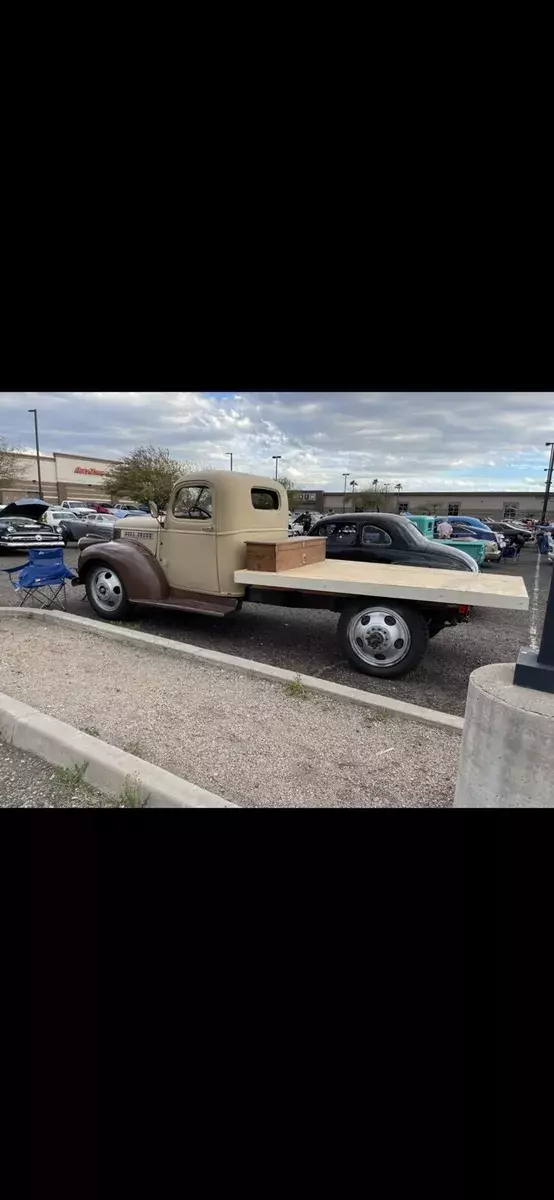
column 53, row 516
column 79, row 510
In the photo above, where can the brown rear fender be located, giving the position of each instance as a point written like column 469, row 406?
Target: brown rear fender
column 140, row 573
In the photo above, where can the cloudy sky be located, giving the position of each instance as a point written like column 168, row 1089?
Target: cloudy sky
column 423, row 440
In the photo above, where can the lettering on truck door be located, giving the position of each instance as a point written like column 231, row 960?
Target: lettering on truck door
column 187, row 542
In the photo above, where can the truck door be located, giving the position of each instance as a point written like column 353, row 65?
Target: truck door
column 187, row 550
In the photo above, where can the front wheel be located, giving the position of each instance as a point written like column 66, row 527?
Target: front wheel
column 106, row 593
column 382, row 639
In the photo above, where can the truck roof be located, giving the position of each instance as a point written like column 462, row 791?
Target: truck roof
column 230, row 481
column 234, row 509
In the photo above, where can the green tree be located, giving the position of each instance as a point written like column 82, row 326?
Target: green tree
column 371, row 498
column 149, row 473
column 10, row 469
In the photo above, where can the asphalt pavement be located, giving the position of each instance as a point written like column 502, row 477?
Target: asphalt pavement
column 305, row 640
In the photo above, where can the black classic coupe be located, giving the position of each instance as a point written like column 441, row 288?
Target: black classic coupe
column 387, row 538
column 20, row 530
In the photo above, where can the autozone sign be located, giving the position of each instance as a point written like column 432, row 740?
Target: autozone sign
column 88, row 471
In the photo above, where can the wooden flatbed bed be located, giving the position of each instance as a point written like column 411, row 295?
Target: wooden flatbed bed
column 400, row 583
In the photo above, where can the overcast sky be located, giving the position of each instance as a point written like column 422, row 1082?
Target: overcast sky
column 423, row 440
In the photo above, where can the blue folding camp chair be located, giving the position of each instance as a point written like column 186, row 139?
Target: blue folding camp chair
column 42, row 578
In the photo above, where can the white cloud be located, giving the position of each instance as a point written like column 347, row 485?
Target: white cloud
column 423, row 440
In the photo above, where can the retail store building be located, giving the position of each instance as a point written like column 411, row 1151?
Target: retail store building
column 63, row 477
column 79, row 477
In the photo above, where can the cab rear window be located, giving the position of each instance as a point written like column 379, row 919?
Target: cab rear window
column 265, row 498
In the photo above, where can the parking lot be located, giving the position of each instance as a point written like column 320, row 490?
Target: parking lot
column 305, row 640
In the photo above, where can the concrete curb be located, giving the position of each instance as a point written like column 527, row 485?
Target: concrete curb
column 338, row 691
column 108, row 767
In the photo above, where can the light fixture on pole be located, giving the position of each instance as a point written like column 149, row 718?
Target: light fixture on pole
column 548, row 481
column 276, row 457
column 34, row 411
column 345, row 475
column 229, row 454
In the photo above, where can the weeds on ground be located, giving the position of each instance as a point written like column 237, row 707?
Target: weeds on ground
column 91, row 730
column 72, row 778
column 130, row 796
column 296, row 688
column 134, row 748
column 377, row 714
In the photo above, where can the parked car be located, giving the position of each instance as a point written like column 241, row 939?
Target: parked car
column 493, row 550
column 76, row 506
column 473, row 522
column 75, row 527
column 387, row 538
column 54, row 516
column 512, row 533
column 124, row 509
column 20, row 533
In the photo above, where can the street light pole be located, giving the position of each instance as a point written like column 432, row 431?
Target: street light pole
column 34, row 411
column 548, row 482
column 276, row 457
column 345, row 475
column 230, row 455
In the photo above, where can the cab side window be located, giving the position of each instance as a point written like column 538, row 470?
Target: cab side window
column 193, row 503
column 343, row 535
column 372, row 535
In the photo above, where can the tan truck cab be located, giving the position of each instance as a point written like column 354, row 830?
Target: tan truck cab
column 188, row 558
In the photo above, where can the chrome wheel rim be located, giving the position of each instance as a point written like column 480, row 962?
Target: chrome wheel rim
column 379, row 636
column 106, row 589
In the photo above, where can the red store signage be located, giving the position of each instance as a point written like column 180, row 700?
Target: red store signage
column 88, row 471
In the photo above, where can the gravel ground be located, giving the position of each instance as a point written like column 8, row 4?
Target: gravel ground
column 248, row 740
column 29, row 782
column 306, row 640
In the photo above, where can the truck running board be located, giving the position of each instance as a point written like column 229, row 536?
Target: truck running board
column 214, row 606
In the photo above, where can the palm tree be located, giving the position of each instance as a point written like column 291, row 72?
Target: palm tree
column 398, row 489
column 374, row 482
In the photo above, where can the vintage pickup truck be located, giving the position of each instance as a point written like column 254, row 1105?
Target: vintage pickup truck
column 224, row 541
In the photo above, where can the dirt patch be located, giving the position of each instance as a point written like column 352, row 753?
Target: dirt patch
column 252, row 741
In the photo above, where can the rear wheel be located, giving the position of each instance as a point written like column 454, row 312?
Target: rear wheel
column 383, row 639
column 106, row 593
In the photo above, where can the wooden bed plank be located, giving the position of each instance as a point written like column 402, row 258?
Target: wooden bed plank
column 407, row 583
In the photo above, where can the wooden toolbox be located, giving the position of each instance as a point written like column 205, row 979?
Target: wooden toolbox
column 285, row 554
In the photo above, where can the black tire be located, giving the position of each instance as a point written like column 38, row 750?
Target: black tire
column 416, row 644
column 116, row 606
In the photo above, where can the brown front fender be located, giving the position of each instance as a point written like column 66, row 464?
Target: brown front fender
column 140, row 573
